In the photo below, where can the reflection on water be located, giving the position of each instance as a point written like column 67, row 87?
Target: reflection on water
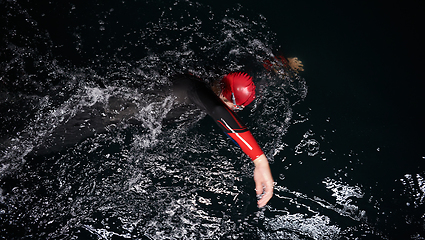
column 415, row 188
column 99, row 150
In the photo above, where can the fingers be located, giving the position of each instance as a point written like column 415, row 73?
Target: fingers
column 268, row 193
column 258, row 188
column 265, row 199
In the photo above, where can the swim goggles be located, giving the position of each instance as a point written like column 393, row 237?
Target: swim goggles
column 236, row 107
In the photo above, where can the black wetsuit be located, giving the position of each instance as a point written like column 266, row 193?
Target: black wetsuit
column 189, row 87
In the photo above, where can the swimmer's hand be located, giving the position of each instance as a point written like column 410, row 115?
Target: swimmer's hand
column 263, row 180
column 295, row 64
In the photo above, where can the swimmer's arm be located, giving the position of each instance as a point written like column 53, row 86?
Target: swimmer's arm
column 263, row 180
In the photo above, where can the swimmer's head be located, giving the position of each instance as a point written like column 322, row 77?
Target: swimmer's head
column 238, row 89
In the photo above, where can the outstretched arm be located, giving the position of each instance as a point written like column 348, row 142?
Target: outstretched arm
column 232, row 125
column 263, row 180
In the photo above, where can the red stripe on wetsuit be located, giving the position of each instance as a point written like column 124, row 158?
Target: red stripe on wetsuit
column 243, row 138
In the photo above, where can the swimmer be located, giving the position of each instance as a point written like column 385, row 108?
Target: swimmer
column 220, row 101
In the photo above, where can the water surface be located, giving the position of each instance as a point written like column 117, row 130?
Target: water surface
column 87, row 151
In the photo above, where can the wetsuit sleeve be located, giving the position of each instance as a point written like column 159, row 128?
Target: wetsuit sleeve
column 227, row 120
column 237, row 131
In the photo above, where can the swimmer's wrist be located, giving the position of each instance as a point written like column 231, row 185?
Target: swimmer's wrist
column 259, row 160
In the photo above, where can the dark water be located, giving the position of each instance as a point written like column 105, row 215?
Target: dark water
column 87, row 151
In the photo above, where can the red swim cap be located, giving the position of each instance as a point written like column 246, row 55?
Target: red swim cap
column 241, row 85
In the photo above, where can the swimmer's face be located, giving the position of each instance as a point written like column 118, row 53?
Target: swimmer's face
column 228, row 103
